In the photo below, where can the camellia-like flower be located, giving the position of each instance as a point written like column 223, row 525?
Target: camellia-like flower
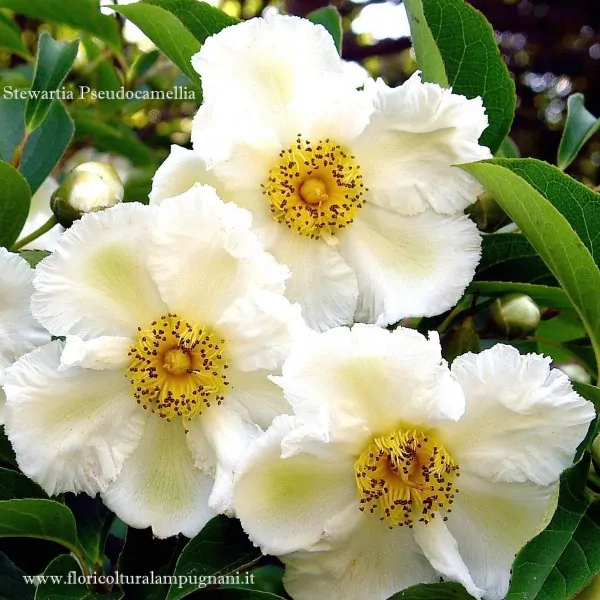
column 396, row 471
column 19, row 332
column 173, row 317
column 354, row 190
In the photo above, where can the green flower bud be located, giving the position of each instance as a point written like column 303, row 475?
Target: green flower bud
column 515, row 315
column 487, row 214
column 89, row 187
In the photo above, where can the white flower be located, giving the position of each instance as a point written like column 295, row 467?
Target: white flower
column 173, row 317
column 332, row 174
column 19, row 332
column 395, row 472
column 39, row 213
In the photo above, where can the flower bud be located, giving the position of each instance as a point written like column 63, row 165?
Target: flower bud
column 487, row 214
column 89, row 187
column 515, row 315
column 575, row 372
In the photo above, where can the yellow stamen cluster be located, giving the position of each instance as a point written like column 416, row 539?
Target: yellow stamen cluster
column 407, row 476
column 177, row 369
column 315, row 189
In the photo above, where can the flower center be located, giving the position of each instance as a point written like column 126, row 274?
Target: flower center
column 177, row 369
column 315, row 189
column 407, row 476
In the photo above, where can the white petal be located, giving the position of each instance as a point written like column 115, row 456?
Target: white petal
column 104, row 352
column 491, row 522
column 359, row 383
column 96, row 282
column 258, row 395
column 417, row 132
column 71, row 430
column 39, row 213
column 228, row 430
column 523, row 421
column 204, row 256
column 181, row 170
column 409, row 266
column 442, row 552
column 374, row 563
column 322, row 283
column 285, row 505
column 159, row 486
column 259, row 329
column 19, row 332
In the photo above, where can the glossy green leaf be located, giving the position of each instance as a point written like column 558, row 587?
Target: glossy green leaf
column 580, row 126
column 200, row 18
column 551, row 236
column 54, row 61
column 426, row 49
column 46, row 145
column 39, row 518
column 510, row 257
column 437, row 591
column 60, row 583
column 221, row 548
column 78, row 14
column 167, row 32
column 12, row 125
column 562, row 559
column 15, row 200
column 12, row 584
column 508, row 149
column 544, row 295
column 330, row 18
column 470, row 56
column 10, row 37
column 15, row 485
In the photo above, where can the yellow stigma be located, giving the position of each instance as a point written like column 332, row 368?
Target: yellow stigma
column 315, row 189
column 177, row 369
column 406, row 476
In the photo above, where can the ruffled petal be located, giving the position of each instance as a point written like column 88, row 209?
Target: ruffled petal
column 71, row 430
column 96, row 282
column 204, row 256
column 417, row 133
column 159, row 485
column 285, row 505
column 528, row 430
column 409, row 266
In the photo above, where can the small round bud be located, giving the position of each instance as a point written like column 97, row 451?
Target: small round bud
column 487, row 214
column 515, row 315
column 575, row 372
column 89, row 187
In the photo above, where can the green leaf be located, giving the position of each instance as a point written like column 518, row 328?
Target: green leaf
column 46, row 145
column 200, row 18
column 544, row 295
column 437, row 591
column 15, row 485
column 233, row 593
column 167, row 32
column 561, row 560
column 426, row 49
column 115, row 138
column 330, row 18
column 221, row 548
column 12, row 125
column 10, row 37
column 7, row 454
column 54, row 61
column 15, row 200
column 41, row 519
column 580, row 126
column 78, row 14
column 508, row 149
column 552, row 237
column 12, row 584
column 471, row 60
column 58, row 584
column 33, row 257
column 510, row 257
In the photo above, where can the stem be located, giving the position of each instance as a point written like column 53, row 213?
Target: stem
column 18, row 153
column 460, row 307
column 47, row 226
